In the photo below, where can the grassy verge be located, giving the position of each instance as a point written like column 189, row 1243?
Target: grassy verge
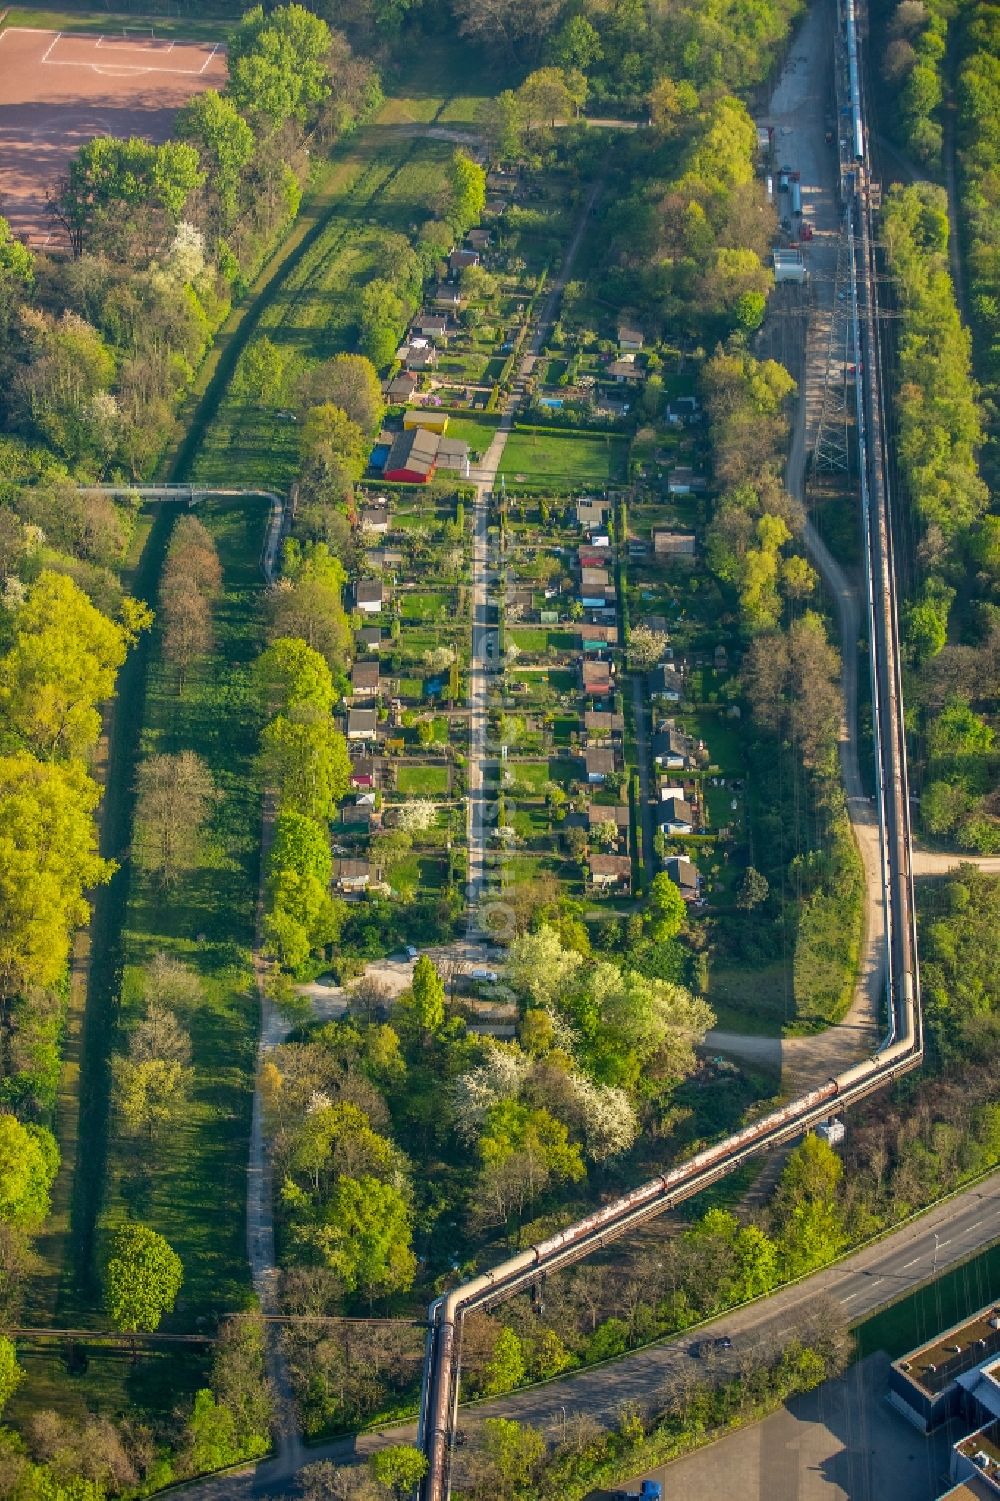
column 828, row 943
column 211, row 25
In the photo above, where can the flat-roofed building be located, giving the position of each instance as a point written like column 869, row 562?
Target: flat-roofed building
column 959, row 1371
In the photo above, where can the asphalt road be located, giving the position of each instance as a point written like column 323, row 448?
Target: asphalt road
column 860, row 1284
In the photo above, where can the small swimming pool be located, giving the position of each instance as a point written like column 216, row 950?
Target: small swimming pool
column 379, row 455
column 554, row 403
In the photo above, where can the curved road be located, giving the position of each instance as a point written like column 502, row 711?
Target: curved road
column 944, row 1237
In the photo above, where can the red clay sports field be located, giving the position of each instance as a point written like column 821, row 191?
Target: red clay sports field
column 58, row 89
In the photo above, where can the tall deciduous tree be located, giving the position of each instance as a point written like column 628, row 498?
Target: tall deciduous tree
column 175, row 796
column 426, row 997
column 224, row 142
column 48, row 859
column 142, row 1278
column 63, row 663
column 290, row 673
column 349, row 382
column 667, row 910
column 152, row 1078
column 306, row 759
column 302, row 915
column 309, row 603
column 806, row 1213
column 467, row 183
column 365, row 1236
column 277, row 63
column 11, row 1374
column 191, row 581
column 501, row 121
column 115, row 188
column 29, row 1161
column 399, row 1468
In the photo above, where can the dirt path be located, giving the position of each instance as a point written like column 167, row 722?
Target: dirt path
column 646, row 821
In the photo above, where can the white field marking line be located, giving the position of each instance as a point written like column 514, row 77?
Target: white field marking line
column 209, row 58
column 51, row 45
column 136, row 45
column 121, row 70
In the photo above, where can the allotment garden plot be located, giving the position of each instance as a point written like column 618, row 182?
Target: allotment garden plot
column 401, row 828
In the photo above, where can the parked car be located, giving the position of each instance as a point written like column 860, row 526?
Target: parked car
column 486, row 976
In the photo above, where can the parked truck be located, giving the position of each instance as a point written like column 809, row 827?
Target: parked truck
column 796, row 187
column 649, row 1490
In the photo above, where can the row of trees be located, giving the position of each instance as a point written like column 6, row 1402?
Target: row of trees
column 913, row 59
column 755, row 518
column 61, row 662
column 305, row 764
column 623, row 51
column 940, row 432
column 979, row 185
column 791, row 681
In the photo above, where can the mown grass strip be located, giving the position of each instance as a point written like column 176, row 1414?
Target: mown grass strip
column 212, row 23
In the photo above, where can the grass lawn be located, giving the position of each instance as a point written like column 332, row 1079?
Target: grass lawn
column 541, row 638
column 423, row 872
column 564, row 726
column 722, row 737
column 477, row 431
column 422, row 781
column 424, row 604
column 758, row 1000
column 193, row 1190
column 178, row 28
column 532, row 775
column 570, row 461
